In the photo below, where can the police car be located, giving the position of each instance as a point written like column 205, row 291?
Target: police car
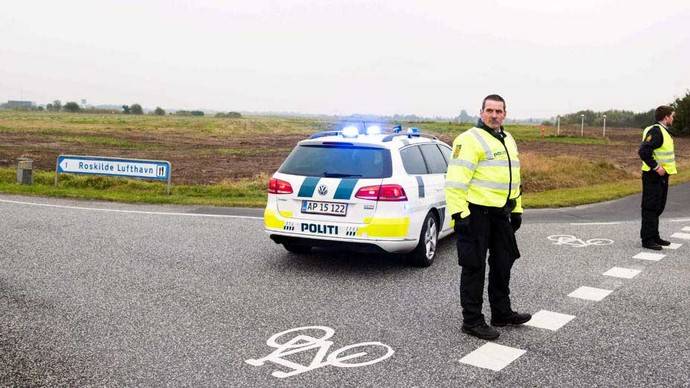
column 364, row 189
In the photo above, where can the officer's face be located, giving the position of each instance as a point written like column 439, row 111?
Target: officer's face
column 669, row 118
column 493, row 114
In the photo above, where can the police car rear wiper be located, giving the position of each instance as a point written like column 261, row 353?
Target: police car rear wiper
column 337, row 175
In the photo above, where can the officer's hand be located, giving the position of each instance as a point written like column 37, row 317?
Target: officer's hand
column 515, row 221
column 661, row 171
column 462, row 225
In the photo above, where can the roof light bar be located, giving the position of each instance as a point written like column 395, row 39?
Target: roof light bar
column 350, row 131
column 374, row 130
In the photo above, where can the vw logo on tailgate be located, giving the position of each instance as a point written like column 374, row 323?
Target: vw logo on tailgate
column 323, row 190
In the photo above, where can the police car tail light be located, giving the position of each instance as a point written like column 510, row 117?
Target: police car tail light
column 368, row 192
column 392, row 193
column 389, row 192
column 278, row 186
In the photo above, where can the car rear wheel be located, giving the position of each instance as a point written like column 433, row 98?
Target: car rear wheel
column 297, row 248
column 425, row 252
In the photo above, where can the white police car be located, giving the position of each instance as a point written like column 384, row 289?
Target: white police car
column 360, row 188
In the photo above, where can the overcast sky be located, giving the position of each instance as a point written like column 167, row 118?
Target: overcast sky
column 429, row 58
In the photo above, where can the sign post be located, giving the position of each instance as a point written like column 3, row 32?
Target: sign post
column 159, row 170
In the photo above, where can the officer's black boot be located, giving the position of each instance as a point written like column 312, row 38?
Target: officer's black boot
column 514, row 319
column 662, row 242
column 651, row 244
column 482, row 331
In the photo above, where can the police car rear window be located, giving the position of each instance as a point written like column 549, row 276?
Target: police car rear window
column 338, row 161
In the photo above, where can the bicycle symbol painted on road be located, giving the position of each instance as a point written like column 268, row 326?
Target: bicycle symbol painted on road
column 570, row 240
column 301, row 342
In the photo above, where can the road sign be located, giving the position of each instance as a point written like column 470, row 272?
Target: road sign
column 98, row 165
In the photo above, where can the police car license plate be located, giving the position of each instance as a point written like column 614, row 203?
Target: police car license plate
column 330, row 208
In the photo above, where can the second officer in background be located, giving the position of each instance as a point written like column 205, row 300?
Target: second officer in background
column 483, row 197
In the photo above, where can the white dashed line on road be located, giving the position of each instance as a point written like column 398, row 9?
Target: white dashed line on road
column 130, row 211
column 673, row 246
column 649, row 256
column 624, row 273
column 596, row 223
column 686, row 229
column 492, row 356
column 590, row 293
column 682, row 236
column 549, row 320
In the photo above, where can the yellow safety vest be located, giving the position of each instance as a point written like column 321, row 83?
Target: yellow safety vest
column 482, row 171
column 664, row 155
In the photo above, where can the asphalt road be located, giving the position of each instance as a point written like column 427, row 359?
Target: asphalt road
column 109, row 294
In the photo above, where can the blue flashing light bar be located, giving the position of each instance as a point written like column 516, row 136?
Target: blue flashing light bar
column 350, row 131
column 374, row 130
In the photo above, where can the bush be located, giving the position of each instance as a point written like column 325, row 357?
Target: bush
column 136, row 109
column 189, row 113
column 72, row 107
column 681, row 122
column 229, row 115
column 159, row 111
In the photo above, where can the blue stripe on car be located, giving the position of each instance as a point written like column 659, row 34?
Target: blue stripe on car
column 420, row 182
column 345, row 188
column 308, row 186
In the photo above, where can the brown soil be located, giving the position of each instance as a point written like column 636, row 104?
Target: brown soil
column 212, row 159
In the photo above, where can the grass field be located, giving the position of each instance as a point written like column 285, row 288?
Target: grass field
column 227, row 162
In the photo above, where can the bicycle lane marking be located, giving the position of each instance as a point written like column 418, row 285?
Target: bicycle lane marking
column 302, row 342
column 570, row 240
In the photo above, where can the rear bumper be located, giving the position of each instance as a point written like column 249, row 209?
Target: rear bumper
column 360, row 245
column 388, row 234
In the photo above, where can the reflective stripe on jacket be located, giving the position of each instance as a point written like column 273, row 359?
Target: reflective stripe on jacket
column 482, row 171
column 664, row 155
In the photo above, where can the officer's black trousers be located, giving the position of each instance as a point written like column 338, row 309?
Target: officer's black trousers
column 492, row 232
column 654, row 192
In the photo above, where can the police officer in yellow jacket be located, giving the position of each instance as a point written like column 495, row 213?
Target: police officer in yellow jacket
column 483, row 196
column 658, row 162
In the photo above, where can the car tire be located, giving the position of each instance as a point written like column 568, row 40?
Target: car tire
column 425, row 252
column 297, row 248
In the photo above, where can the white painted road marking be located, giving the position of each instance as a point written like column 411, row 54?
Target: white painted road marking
column 686, row 229
column 682, row 236
column 596, row 223
column 673, row 246
column 303, row 342
column 550, row 320
column 649, row 256
column 590, row 293
column 130, row 211
column 570, row 240
column 492, row 356
column 625, row 273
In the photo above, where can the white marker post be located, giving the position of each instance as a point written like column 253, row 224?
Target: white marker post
column 558, row 125
column 604, row 135
column 582, row 126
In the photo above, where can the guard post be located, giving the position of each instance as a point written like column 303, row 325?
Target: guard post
column 25, row 171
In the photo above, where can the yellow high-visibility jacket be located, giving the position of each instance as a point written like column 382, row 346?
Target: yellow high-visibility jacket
column 482, row 171
column 664, row 155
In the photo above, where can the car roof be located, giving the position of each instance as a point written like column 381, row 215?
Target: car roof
column 384, row 140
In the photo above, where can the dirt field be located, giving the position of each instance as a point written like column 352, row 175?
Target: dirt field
column 213, row 150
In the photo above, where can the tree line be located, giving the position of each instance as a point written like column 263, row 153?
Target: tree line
column 624, row 118
column 133, row 109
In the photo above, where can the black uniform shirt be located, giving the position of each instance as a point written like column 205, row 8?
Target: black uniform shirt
column 652, row 141
column 498, row 134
